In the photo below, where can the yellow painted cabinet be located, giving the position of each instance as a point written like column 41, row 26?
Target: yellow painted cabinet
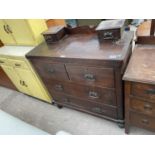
column 15, row 79
column 30, row 82
column 24, row 77
column 22, row 31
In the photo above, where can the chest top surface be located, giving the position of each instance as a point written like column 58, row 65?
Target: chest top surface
column 141, row 67
column 84, row 46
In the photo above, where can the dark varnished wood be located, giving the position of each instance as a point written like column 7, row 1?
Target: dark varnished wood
column 81, row 54
column 5, row 81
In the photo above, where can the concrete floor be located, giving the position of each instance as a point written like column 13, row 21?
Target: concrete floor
column 51, row 119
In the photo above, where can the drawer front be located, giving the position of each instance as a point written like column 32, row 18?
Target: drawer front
column 86, row 105
column 18, row 63
column 48, row 70
column 103, row 77
column 96, row 94
column 142, row 121
column 144, row 91
column 3, row 61
column 142, row 106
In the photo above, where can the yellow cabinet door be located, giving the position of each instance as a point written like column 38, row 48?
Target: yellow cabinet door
column 10, row 71
column 29, row 80
column 21, row 31
column 5, row 35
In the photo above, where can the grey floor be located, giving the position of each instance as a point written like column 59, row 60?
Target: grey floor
column 51, row 119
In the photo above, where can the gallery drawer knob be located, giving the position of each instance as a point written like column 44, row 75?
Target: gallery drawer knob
column 108, row 35
column 93, row 95
column 90, row 77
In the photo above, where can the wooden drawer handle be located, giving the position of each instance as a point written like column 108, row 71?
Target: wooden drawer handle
column 93, row 95
column 59, row 87
column 150, row 91
column 90, row 77
column 1, row 62
column 147, row 107
column 145, row 121
column 18, row 65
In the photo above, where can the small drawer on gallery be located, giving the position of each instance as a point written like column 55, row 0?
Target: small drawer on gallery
column 142, row 106
column 103, row 77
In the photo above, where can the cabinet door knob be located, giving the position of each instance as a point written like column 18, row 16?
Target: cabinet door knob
column 93, row 95
column 17, row 65
column 8, row 28
column 90, row 77
column 1, row 62
column 5, row 29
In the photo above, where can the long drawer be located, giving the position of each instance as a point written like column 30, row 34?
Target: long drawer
column 97, row 94
column 142, row 121
column 103, row 77
column 94, row 107
column 144, row 107
column 145, row 91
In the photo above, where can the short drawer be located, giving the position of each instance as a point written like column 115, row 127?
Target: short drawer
column 142, row 121
column 18, row 63
column 144, row 91
column 48, row 70
column 103, row 77
column 97, row 94
column 3, row 61
column 142, row 106
column 86, row 105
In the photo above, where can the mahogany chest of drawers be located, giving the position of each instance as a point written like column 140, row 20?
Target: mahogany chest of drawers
column 83, row 74
column 140, row 89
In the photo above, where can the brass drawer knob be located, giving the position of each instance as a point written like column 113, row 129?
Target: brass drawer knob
column 145, row 121
column 93, row 95
column 51, row 70
column 147, row 107
column 90, row 77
